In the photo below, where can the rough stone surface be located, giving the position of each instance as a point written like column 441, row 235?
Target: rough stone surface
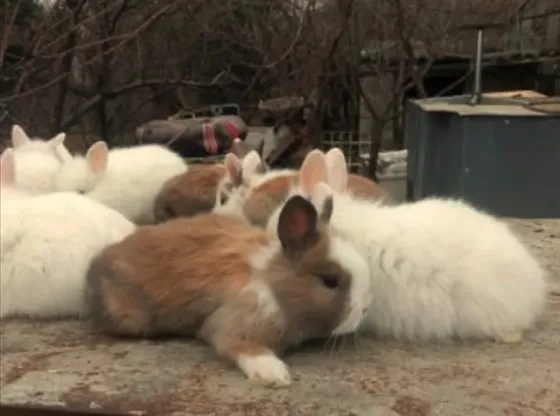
column 63, row 363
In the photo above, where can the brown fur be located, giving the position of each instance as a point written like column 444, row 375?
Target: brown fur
column 268, row 196
column 362, row 187
column 186, row 277
column 190, row 193
column 265, row 198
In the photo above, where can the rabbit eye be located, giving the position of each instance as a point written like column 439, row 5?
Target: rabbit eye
column 329, row 281
column 223, row 198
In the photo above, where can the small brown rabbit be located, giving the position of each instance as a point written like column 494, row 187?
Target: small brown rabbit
column 190, row 193
column 248, row 293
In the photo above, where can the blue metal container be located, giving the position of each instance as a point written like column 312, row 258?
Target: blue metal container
column 499, row 155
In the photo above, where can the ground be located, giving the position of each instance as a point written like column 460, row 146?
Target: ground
column 63, row 363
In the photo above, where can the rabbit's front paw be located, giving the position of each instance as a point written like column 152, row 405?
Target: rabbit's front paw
column 266, row 369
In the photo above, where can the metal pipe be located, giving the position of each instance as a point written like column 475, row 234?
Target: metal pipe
column 477, row 69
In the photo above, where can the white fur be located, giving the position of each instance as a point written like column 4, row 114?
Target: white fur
column 441, row 269
column 267, row 303
column 248, row 168
column 21, row 142
column 344, row 253
column 438, row 269
column 36, row 171
column 265, row 369
column 233, row 207
column 130, row 183
column 46, row 245
column 237, row 198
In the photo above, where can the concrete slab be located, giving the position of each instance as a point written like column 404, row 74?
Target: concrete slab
column 63, row 363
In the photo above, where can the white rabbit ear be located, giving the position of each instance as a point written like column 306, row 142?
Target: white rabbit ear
column 322, row 200
column 252, row 165
column 97, row 157
column 7, row 168
column 233, row 169
column 313, row 171
column 19, row 137
column 57, row 144
column 337, row 170
column 57, row 140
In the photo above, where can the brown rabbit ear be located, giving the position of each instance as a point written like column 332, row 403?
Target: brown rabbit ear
column 313, row 171
column 233, row 169
column 297, row 226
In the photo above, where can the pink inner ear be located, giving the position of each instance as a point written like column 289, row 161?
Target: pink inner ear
column 97, row 157
column 313, row 171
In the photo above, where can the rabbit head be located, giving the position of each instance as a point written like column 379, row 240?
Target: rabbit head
column 190, row 193
column 232, row 189
column 320, row 280
column 82, row 173
column 8, row 185
column 21, row 142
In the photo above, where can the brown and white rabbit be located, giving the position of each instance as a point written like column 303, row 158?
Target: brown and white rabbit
column 247, row 293
column 190, row 193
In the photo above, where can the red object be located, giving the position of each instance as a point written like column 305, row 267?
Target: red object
column 209, row 138
column 231, row 129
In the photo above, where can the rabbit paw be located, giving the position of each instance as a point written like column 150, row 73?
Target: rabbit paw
column 266, row 370
column 513, row 337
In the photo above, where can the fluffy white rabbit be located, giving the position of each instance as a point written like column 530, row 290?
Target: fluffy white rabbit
column 46, row 245
column 21, row 142
column 36, row 171
column 440, row 269
column 125, row 179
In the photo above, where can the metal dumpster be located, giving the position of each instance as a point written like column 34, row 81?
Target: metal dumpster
column 501, row 155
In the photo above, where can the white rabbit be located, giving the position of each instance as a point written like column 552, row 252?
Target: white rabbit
column 36, row 171
column 439, row 268
column 46, row 245
column 21, row 142
column 125, row 179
